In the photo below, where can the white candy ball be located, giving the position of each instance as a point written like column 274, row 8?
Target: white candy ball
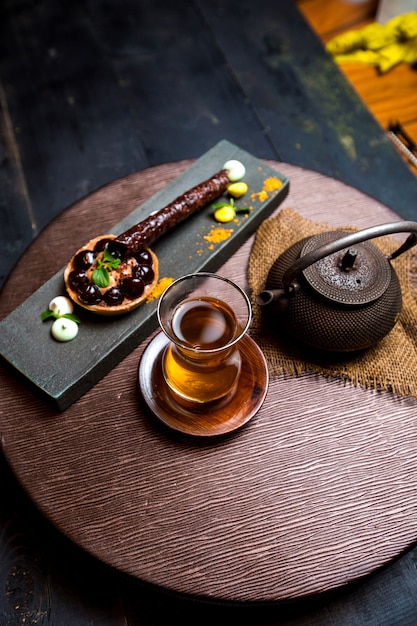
column 64, row 330
column 61, row 305
column 236, row 170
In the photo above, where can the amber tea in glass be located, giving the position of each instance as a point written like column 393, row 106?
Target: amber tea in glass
column 204, row 316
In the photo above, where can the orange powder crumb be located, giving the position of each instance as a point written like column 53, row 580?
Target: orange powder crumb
column 218, row 234
column 159, row 288
column 272, row 183
column 260, row 195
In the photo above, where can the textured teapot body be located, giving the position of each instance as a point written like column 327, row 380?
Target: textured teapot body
column 314, row 321
column 343, row 301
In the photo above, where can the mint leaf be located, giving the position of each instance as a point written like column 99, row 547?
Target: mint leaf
column 107, row 257
column 109, row 260
column 71, row 316
column 101, row 277
column 47, row 314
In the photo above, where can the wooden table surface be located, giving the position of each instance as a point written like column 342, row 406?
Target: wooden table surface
column 94, row 91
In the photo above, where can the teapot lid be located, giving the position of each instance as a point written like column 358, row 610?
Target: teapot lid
column 356, row 275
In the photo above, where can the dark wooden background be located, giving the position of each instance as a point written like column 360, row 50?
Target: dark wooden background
column 92, row 90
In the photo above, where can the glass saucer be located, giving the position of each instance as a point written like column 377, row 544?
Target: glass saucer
column 214, row 418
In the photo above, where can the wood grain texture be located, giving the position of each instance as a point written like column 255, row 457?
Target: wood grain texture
column 49, row 52
column 395, row 99
column 316, row 491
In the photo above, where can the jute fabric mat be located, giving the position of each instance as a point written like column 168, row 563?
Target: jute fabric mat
column 390, row 365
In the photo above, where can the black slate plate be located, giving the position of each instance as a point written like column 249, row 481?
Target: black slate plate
column 63, row 372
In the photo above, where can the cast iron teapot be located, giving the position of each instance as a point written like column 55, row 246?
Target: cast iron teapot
column 336, row 291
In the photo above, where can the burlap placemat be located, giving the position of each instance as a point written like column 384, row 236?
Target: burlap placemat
column 390, row 365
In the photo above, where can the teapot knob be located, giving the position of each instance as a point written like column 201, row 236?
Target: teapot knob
column 348, row 259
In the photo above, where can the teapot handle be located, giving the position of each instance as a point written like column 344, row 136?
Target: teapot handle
column 289, row 279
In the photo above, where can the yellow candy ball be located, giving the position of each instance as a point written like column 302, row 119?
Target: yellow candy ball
column 237, row 189
column 225, row 214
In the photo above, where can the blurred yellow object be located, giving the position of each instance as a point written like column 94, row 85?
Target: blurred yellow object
column 383, row 46
column 237, row 189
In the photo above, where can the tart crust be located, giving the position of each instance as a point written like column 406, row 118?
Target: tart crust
column 103, row 309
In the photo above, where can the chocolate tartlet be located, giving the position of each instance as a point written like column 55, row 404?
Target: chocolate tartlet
column 131, row 277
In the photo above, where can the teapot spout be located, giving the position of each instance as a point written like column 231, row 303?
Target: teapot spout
column 276, row 297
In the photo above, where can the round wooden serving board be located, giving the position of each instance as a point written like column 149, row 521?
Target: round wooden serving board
column 316, row 490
